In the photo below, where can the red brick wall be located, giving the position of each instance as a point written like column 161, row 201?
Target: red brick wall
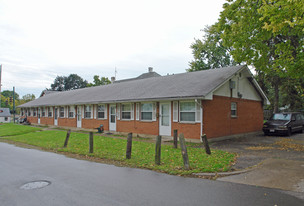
column 218, row 121
column 67, row 122
column 94, row 123
column 47, row 120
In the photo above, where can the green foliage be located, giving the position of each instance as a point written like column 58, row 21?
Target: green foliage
column 142, row 152
column 210, row 53
column 99, row 81
column 73, row 81
column 7, row 93
column 269, row 35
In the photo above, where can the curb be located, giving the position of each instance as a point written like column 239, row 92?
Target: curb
column 223, row 173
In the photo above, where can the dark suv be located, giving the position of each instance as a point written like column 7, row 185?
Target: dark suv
column 284, row 123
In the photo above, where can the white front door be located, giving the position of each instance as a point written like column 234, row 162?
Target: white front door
column 39, row 115
column 56, row 116
column 79, row 116
column 112, row 118
column 165, row 118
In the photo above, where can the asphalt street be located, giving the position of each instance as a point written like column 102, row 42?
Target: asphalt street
column 78, row 182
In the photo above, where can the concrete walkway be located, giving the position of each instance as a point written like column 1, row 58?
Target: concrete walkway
column 276, row 162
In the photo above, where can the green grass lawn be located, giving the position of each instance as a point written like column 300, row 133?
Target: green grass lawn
column 10, row 129
column 108, row 148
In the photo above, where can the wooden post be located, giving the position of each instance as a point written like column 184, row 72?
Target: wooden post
column 158, row 150
column 67, row 138
column 129, row 146
column 175, row 138
column 206, row 144
column 184, row 151
column 91, row 142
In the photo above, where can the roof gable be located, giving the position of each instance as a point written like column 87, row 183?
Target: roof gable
column 5, row 112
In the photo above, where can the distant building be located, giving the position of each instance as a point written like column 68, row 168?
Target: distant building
column 5, row 115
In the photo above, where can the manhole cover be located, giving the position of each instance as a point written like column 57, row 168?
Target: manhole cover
column 35, row 185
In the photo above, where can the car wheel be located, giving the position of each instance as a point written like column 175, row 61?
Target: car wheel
column 289, row 132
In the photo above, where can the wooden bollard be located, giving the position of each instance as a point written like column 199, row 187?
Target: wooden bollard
column 206, row 144
column 129, row 146
column 184, row 151
column 175, row 138
column 67, row 138
column 91, row 142
column 158, row 150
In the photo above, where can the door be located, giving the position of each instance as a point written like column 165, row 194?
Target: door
column 165, row 118
column 79, row 116
column 56, row 116
column 39, row 115
column 112, row 118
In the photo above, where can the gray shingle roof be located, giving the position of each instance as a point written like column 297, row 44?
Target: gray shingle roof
column 142, row 76
column 185, row 85
column 5, row 112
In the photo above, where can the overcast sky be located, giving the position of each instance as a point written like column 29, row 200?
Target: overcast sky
column 40, row 39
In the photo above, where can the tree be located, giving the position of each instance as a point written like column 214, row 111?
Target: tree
column 73, row 81
column 210, row 53
column 7, row 93
column 28, row 97
column 99, row 81
column 255, row 37
column 58, row 84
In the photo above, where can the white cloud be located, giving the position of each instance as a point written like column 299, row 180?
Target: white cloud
column 42, row 39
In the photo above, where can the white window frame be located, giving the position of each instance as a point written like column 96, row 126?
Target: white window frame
column 34, row 112
column 71, row 110
column 180, row 111
column 29, row 112
column 126, row 111
column 86, row 110
column 175, row 111
column 43, row 112
column 50, row 111
column 233, row 109
column 142, row 111
column 98, row 111
column 61, row 111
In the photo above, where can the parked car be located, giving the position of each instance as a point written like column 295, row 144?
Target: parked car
column 284, row 123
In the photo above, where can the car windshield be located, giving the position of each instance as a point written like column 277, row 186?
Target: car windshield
column 281, row 116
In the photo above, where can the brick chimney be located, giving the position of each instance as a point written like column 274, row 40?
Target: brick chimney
column 150, row 69
column 112, row 80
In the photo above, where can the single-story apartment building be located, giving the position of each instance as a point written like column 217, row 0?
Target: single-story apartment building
column 216, row 102
column 5, row 115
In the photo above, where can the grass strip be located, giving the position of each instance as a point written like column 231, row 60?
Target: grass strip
column 10, row 129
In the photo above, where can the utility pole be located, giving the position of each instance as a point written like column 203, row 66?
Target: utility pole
column 14, row 109
column 0, row 82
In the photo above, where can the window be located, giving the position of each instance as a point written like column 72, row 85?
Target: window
column 22, row 112
column 34, row 113
column 71, row 111
column 233, row 109
column 146, row 111
column 126, row 111
column 43, row 112
column 88, row 112
column 61, row 112
column 6, row 119
column 101, row 111
column 187, row 111
column 29, row 112
column 50, row 112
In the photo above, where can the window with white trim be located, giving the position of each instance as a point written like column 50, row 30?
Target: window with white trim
column 126, row 111
column 43, row 112
column 34, row 112
column 71, row 111
column 233, row 109
column 101, row 111
column 61, row 112
column 50, row 112
column 146, row 111
column 187, row 111
column 29, row 112
column 88, row 111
